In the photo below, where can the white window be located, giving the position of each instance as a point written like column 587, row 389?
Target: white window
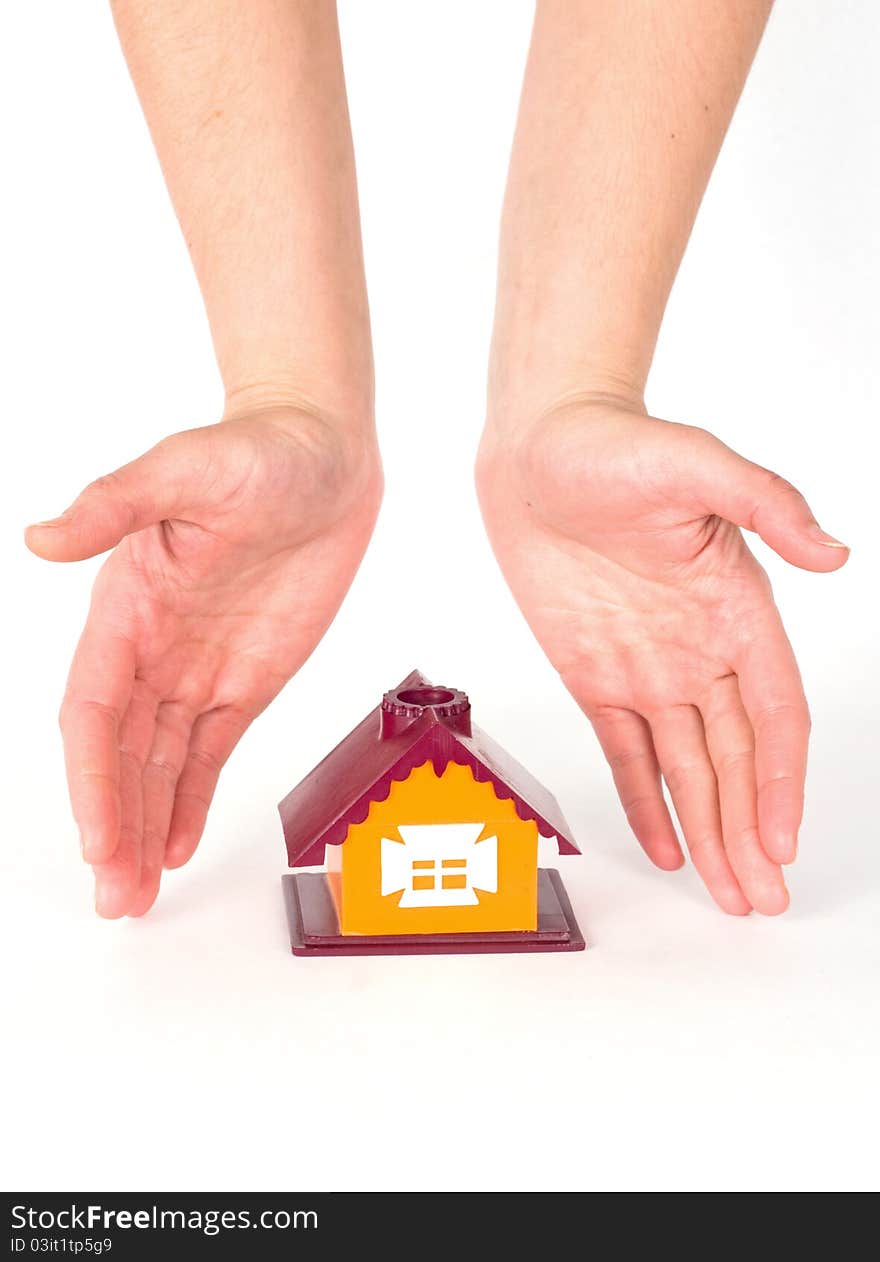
column 439, row 865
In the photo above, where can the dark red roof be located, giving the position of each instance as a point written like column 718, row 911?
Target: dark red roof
column 416, row 722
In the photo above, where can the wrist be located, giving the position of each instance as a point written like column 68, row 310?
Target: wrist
column 514, row 459
column 342, row 448
column 347, row 410
column 513, row 418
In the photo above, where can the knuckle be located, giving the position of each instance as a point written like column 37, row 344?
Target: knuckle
column 626, row 758
column 744, row 841
column 697, row 442
column 131, row 756
column 780, row 487
column 704, row 846
column 90, row 776
column 748, row 838
column 130, row 834
column 791, row 712
column 162, row 767
column 86, row 708
column 697, row 434
column 154, row 843
column 205, row 759
column 733, row 760
column 107, row 485
column 774, row 779
column 201, row 800
column 631, row 804
column 686, row 773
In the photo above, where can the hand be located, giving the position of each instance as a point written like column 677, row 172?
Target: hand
column 234, row 546
column 619, row 536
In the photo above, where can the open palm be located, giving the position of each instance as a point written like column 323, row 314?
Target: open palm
column 236, row 544
column 619, row 536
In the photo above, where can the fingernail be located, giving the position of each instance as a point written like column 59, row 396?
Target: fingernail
column 106, row 901
column 828, row 540
column 781, row 846
column 87, row 849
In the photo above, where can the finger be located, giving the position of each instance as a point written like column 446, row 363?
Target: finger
column 214, row 736
column 626, row 742
column 118, row 878
column 773, row 696
column 98, row 691
column 148, row 490
column 161, row 773
column 680, row 742
column 731, row 743
column 756, row 499
column 117, row 881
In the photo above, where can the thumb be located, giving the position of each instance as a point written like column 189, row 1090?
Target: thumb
column 756, row 499
column 141, row 493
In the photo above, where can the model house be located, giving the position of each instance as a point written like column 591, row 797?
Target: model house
column 427, row 833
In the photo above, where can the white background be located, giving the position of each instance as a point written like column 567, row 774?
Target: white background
column 684, row 1050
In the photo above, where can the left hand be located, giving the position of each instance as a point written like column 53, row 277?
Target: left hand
column 619, row 536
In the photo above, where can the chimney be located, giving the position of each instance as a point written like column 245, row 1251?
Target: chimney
column 402, row 706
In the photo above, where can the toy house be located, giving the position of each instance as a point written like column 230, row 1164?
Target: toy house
column 428, row 836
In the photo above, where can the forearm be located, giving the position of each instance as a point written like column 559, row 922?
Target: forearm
column 246, row 105
column 625, row 104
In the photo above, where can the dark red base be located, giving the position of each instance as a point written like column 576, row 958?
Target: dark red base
column 314, row 927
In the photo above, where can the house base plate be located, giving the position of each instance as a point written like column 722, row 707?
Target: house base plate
column 314, row 926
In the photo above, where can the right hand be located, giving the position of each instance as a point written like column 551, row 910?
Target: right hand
column 233, row 547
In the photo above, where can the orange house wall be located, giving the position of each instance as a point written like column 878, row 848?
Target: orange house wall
column 354, row 872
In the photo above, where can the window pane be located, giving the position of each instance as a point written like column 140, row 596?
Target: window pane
column 455, row 882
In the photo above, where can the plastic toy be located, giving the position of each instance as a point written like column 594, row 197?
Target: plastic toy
column 429, row 833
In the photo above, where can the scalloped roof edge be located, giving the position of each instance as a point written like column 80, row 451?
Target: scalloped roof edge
column 361, row 769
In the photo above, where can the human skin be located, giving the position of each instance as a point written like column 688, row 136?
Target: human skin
column 619, row 533
column 234, row 543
